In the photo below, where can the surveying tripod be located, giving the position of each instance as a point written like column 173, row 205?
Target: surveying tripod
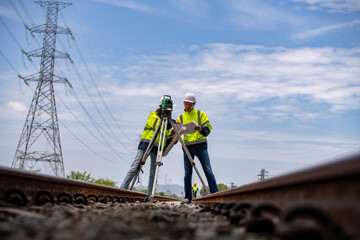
column 165, row 116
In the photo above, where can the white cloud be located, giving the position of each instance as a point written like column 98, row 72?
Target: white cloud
column 192, row 8
column 20, row 107
column 127, row 4
column 277, row 84
column 4, row 12
column 288, row 138
column 333, row 5
column 258, row 14
column 324, row 30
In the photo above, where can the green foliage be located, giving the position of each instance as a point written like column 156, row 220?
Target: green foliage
column 87, row 178
column 162, row 194
column 105, row 181
column 80, row 176
column 202, row 191
column 222, row 187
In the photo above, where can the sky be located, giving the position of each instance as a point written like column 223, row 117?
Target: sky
column 278, row 80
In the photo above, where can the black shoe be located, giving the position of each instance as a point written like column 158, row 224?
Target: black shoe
column 186, row 201
column 147, row 198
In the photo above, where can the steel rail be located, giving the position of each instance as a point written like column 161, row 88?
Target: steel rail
column 25, row 187
column 326, row 195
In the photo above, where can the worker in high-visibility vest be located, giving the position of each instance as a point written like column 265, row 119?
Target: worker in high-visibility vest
column 195, row 189
column 196, row 143
column 147, row 134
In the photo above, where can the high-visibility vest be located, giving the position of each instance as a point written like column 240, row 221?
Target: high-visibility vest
column 195, row 188
column 201, row 119
column 150, row 127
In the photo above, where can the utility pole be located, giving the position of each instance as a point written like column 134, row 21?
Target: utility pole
column 39, row 147
column 263, row 174
column 232, row 185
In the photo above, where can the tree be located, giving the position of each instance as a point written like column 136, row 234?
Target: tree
column 222, row 187
column 87, row 178
column 105, row 181
column 80, row 176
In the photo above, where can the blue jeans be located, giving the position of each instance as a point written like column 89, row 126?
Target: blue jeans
column 133, row 169
column 204, row 158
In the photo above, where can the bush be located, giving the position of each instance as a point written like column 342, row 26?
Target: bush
column 86, row 177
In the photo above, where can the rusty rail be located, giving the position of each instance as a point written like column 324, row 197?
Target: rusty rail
column 24, row 187
column 317, row 203
column 322, row 201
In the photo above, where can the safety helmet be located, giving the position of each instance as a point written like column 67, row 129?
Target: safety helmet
column 195, row 183
column 189, row 97
column 160, row 101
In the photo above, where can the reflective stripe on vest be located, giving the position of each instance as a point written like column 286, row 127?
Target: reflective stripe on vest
column 150, row 128
column 197, row 137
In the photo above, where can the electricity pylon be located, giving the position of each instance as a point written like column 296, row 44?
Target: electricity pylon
column 39, row 147
column 263, row 174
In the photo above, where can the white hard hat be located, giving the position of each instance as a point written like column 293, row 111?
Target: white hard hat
column 189, row 97
column 160, row 101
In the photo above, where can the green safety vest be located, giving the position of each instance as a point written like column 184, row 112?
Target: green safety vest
column 201, row 119
column 150, row 128
column 195, row 188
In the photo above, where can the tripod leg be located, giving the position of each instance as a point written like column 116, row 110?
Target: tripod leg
column 162, row 142
column 189, row 156
column 146, row 155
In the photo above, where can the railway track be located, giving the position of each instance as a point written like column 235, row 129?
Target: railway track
column 318, row 203
column 24, row 188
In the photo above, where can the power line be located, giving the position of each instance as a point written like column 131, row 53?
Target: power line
column 13, row 68
column 23, row 51
column 17, row 12
column 27, row 12
column 88, row 130
column 343, row 149
column 16, row 41
column 8, row 62
column 87, row 146
column 91, row 119
column 11, row 34
column 25, row 25
column 94, row 103
column 79, row 139
column 92, row 80
column 100, row 95
column 95, row 124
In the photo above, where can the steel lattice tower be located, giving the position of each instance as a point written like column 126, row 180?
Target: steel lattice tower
column 39, row 147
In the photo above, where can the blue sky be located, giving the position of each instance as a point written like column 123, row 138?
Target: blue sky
column 279, row 81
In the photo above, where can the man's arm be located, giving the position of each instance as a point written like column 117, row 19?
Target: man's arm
column 205, row 127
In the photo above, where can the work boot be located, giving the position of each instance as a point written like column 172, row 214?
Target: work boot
column 186, row 201
column 147, row 198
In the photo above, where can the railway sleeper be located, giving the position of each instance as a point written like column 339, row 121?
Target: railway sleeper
column 17, row 196
column 43, row 197
column 308, row 222
column 297, row 223
column 65, row 197
column 80, row 198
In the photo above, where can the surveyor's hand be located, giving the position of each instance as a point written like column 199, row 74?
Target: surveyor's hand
column 198, row 128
